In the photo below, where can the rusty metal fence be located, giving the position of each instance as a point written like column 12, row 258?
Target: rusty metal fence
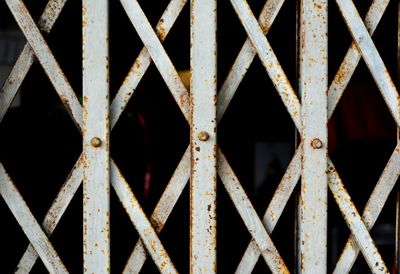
column 310, row 105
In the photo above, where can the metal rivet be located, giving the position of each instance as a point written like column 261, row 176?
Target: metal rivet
column 95, row 142
column 316, row 143
column 203, row 136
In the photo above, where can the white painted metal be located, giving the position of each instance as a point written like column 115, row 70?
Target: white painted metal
column 141, row 223
column 203, row 138
column 355, row 223
column 25, row 60
column 274, row 211
column 313, row 85
column 96, row 179
column 54, row 214
column 158, row 54
column 143, row 61
column 352, row 58
column 46, row 58
column 29, row 225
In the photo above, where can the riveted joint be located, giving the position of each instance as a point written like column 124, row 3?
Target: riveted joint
column 203, row 136
column 316, row 143
column 95, row 142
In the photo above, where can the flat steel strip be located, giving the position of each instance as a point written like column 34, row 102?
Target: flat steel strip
column 162, row 211
column 142, row 224
column 46, row 59
column 250, row 217
column 352, row 58
column 355, row 223
column 372, row 210
column 158, row 54
column 95, row 134
column 29, row 225
column 53, row 215
column 143, row 61
column 245, row 57
column 371, row 57
column 25, row 60
column 203, row 137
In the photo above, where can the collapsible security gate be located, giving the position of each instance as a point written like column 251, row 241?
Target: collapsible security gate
column 203, row 107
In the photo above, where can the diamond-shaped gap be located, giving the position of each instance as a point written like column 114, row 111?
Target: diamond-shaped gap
column 232, row 234
column 385, row 38
column 124, row 46
column 362, row 138
column 65, row 41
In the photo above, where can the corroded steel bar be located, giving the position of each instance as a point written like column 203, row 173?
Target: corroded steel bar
column 372, row 210
column 250, row 217
column 371, row 57
column 313, row 85
column 203, row 137
column 54, row 214
column 29, row 225
column 143, row 226
column 143, row 61
column 355, row 223
column 27, row 56
column 158, row 54
column 352, row 58
column 162, row 211
column 268, row 59
column 245, row 58
column 273, row 212
column 96, row 179
column 46, row 59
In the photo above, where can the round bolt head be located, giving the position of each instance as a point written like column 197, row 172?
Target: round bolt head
column 95, row 142
column 203, row 136
column 316, row 143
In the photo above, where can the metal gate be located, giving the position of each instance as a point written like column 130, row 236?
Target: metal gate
column 310, row 104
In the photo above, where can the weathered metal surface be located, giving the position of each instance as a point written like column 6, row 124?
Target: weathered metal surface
column 96, row 162
column 143, row 226
column 268, row 59
column 371, row 57
column 245, row 58
column 162, row 210
column 250, row 217
column 313, row 85
column 46, row 58
column 203, row 121
column 25, row 60
column 143, row 61
column 352, row 58
column 372, row 209
column 274, row 211
column 158, row 54
column 54, row 214
column 29, row 225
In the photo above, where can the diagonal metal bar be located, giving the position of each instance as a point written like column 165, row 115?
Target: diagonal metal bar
column 372, row 210
column 352, row 58
column 143, row 61
column 354, row 222
column 29, row 225
column 371, row 56
column 143, row 226
column 162, row 211
column 53, row 215
column 269, row 60
column 249, row 216
column 46, row 58
column 274, row 211
column 27, row 57
column 158, row 54
column 245, row 58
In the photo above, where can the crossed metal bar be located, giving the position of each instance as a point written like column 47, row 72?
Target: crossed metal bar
column 180, row 177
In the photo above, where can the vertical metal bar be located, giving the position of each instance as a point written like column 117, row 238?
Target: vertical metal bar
column 313, row 86
column 96, row 181
column 203, row 177
column 397, row 244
